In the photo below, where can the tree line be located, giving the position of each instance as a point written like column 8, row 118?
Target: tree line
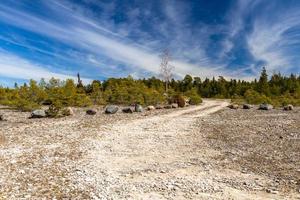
column 278, row 90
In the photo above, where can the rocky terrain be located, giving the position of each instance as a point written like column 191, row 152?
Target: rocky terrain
column 199, row 152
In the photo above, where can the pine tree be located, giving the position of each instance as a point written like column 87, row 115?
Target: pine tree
column 263, row 85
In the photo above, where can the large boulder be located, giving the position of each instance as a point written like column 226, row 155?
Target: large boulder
column 138, row 108
column 91, row 112
column 128, row 110
column 174, row 105
column 38, row 114
column 111, row 109
column 67, row 111
column 288, row 107
column 233, row 106
column 247, row 106
column 150, row 108
column 265, row 106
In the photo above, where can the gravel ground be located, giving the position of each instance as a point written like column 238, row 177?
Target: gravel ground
column 265, row 143
column 201, row 152
column 38, row 156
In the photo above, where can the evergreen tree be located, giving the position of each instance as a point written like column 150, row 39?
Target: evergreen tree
column 263, row 85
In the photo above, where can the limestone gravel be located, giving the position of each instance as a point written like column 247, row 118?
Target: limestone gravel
column 199, row 152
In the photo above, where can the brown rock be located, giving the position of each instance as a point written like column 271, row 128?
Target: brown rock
column 233, row 106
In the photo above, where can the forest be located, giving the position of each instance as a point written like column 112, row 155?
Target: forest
column 278, row 90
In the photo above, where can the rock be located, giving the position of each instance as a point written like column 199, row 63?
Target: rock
column 187, row 100
column 127, row 110
column 288, row 107
column 91, row 112
column 150, row 108
column 265, row 106
column 1, row 118
column 38, row 114
column 67, row 111
column 138, row 108
column 159, row 107
column 111, row 109
column 233, row 106
column 247, row 106
column 174, row 105
column 168, row 106
column 272, row 191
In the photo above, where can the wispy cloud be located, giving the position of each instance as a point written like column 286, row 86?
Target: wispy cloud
column 12, row 66
column 275, row 35
column 90, row 36
column 121, row 45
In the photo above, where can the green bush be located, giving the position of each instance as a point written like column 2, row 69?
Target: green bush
column 24, row 105
column 195, row 100
column 194, row 97
column 253, row 97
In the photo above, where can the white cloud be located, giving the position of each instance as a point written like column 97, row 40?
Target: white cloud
column 12, row 66
column 275, row 39
column 98, row 39
column 89, row 36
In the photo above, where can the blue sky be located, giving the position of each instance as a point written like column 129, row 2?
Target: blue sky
column 102, row 38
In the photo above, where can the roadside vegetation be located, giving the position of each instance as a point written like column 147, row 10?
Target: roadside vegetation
column 278, row 90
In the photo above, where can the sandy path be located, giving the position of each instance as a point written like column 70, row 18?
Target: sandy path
column 151, row 158
column 162, row 157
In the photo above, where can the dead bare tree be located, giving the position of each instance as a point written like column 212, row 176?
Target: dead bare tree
column 166, row 68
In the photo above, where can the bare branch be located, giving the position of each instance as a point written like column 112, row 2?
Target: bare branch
column 166, row 68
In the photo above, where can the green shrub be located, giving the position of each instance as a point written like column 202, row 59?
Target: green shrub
column 253, row 97
column 195, row 100
column 82, row 100
column 24, row 105
column 194, row 97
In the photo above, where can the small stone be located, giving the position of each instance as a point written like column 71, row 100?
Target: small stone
column 91, row 112
column 138, row 108
column 265, row 106
column 247, row 106
column 127, row 110
column 150, row 108
column 288, row 107
column 159, row 107
column 38, row 114
column 111, row 109
column 233, row 106
column 67, row 111
column 174, row 105
column 272, row 191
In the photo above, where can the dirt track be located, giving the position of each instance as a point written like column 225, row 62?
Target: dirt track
column 163, row 155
